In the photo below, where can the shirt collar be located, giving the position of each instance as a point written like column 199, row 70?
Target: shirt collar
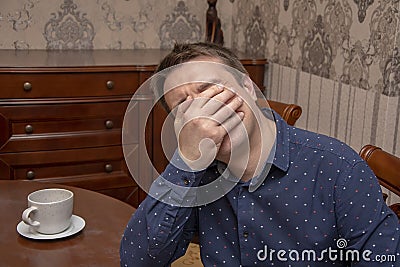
column 281, row 157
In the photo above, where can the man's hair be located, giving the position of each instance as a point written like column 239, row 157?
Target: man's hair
column 182, row 53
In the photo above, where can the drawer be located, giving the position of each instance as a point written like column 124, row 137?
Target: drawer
column 92, row 168
column 62, row 126
column 68, row 84
column 98, row 169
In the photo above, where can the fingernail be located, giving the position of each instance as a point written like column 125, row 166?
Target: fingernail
column 241, row 114
column 220, row 86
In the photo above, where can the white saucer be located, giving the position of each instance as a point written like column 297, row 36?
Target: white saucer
column 77, row 224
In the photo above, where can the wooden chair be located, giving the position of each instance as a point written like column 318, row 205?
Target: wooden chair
column 386, row 168
column 289, row 112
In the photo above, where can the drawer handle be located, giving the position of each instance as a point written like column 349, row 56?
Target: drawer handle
column 109, row 124
column 30, row 175
column 28, row 129
column 108, row 168
column 27, row 86
column 110, row 85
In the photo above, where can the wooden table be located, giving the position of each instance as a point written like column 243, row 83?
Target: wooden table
column 96, row 245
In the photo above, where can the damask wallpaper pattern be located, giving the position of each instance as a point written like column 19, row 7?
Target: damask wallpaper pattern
column 100, row 24
column 354, row 42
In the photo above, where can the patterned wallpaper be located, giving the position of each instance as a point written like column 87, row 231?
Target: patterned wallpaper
column 352, row 41
column 103, row 24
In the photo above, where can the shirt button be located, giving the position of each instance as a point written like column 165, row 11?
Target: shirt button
column 186, row 181
column 245, row 234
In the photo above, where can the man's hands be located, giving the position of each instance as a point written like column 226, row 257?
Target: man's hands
column 202, row 123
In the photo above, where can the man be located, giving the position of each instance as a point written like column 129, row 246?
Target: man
column 299, row 198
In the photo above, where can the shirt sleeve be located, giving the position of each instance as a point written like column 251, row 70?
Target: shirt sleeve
column 161, row 228
column 364, row 221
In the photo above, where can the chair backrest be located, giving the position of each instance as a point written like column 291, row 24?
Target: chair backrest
column 289, row 112
column 386, row 168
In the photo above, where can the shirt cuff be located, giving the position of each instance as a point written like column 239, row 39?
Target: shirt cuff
column 175, row 185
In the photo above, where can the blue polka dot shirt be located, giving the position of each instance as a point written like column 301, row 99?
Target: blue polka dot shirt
column 319, row 205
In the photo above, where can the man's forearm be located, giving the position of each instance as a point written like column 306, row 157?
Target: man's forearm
column 156, row 234
column 161, row 228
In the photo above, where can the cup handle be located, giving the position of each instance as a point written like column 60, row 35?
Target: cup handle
column 27, row 219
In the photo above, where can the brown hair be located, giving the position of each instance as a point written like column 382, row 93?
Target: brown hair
column 182, row 53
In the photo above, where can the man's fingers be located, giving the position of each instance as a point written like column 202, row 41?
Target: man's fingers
column 182, row 108
column 211, row 91
column 218, row 101
column 228, row 110
column 206, row 95
column 233, row 121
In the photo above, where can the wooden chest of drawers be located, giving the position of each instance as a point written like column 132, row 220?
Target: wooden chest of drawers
column 61, row 116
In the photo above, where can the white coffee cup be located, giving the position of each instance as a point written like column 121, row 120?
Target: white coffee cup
column 49, row 210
